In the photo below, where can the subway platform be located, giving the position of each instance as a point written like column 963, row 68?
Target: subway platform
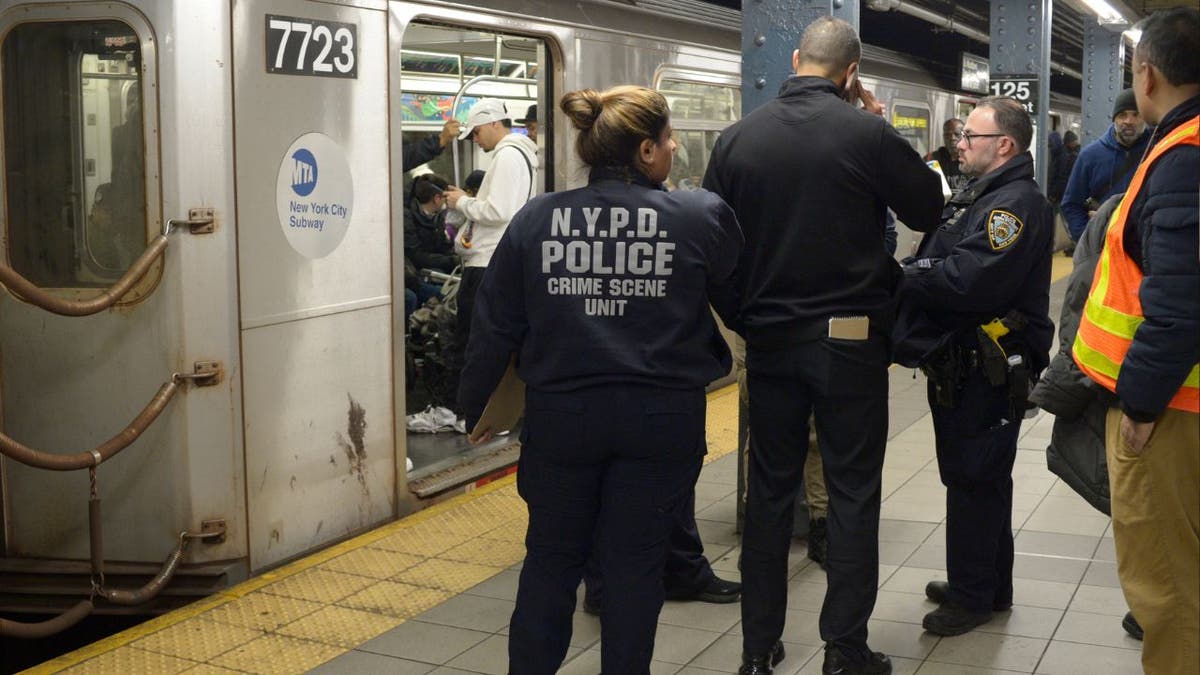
column 433, row 593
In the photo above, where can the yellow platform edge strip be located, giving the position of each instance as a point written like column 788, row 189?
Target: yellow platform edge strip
column 238, row 591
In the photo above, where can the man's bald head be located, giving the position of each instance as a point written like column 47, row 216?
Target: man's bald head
column 829, row 43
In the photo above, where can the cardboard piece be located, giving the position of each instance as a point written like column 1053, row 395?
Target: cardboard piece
column 506, row 404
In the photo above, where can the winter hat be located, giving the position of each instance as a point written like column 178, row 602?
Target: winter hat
column 1125, row 101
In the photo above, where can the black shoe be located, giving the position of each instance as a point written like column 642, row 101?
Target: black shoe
column 717, row 590
column 952, row 619
column 1132, row 627
column 763, row 664
column 837, row 663
column 818, row 546
column 938, row 590
column 591, row 606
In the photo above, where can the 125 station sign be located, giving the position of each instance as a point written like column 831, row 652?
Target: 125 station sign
column 1023, row 88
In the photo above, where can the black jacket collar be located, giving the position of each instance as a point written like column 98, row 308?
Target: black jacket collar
column 1017, row 168
column 1177, row 116
column 798, row 85
column 623, row 174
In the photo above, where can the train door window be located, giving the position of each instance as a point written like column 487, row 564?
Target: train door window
column 912, row 120
column 437, row 61
column 702, row 105
column 74, row 151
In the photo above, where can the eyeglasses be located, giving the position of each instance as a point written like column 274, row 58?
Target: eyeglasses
column 968, row 136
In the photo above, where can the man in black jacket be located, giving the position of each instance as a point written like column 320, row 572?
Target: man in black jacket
column 990, row 259
column 417, row 153
column 810, row 178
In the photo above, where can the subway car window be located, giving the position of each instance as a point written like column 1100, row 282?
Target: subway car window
column 74, row 155
column 699, row 111
column 912, row 121
column 437, row 60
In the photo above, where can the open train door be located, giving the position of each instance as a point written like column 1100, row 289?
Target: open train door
column 116, row 149
column 310, row 91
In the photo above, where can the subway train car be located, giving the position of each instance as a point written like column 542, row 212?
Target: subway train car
column 234, row 169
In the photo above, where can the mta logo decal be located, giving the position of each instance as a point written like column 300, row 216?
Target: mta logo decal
column 304, row 172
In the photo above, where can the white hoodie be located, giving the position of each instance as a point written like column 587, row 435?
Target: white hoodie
column 508, row 184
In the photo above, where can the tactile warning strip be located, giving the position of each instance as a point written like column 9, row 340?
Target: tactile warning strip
column 296, row 617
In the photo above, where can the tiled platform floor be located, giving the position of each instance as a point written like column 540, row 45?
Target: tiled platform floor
column 1066, row 619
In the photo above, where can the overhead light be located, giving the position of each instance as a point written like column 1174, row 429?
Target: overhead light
column 1104, row 11
column 1133, row 35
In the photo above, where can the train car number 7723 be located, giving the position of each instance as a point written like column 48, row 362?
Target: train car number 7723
column 312, row 47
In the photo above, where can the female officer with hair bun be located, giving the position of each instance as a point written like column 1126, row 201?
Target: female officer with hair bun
column 603, row 294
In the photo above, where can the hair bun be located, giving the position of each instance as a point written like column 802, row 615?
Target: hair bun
column 582, row 107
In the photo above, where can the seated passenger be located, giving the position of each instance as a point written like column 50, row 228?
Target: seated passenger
column 602, row 293
column 425, row 240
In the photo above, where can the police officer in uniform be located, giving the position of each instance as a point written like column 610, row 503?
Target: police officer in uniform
column 603, row 295
column 973, row 314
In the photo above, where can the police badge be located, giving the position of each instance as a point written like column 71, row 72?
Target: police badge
column 1003, row 228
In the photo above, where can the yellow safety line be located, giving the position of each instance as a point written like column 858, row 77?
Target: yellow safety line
column 250, row 585
column 1061, row 267
column 244, row 588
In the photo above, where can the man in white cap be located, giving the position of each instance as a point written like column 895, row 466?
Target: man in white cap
column 509, row 183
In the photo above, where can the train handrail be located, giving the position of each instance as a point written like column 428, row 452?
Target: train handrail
column 116, row 596
column 41, row 629
column 15, row 450
column 30, row 292
column 458, row 99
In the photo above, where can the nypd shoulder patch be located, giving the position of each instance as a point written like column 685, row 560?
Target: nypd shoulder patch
column 1003, row 228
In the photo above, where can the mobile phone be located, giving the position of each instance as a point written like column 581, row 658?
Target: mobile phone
column 849, row 327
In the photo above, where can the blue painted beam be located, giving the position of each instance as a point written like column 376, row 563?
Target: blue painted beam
column 1103, row 77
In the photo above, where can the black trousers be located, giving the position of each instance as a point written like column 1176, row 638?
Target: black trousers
column 843, row 383
column 603, row 471
column 686, row 568
column 468, row 286
column 976, row 448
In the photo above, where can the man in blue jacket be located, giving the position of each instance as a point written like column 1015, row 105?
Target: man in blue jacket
column 1104, row 167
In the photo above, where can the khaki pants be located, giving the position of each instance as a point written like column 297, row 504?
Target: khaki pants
column 1156, row 524
column 814, row 477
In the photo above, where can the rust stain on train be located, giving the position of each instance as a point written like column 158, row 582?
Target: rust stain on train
column 354, row 442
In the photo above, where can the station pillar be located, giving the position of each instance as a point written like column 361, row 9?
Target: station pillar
column 1019, row 61
column 771, row 31
column 1103, row 78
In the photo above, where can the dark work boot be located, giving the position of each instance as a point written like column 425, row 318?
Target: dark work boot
column 818, row 546
column 953, row 619
column 937, row 591
column 837, row 663
column 762, row 664
column 1132, row 627
column 717, row 590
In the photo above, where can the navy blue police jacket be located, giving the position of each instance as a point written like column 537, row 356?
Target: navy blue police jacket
column 606, row 284
column 990, row 255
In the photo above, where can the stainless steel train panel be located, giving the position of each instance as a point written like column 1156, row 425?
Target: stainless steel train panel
column 320, row 453
column 316, row 312
column 70, row 383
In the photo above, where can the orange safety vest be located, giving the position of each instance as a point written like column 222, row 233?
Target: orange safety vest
column 1113, row 311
